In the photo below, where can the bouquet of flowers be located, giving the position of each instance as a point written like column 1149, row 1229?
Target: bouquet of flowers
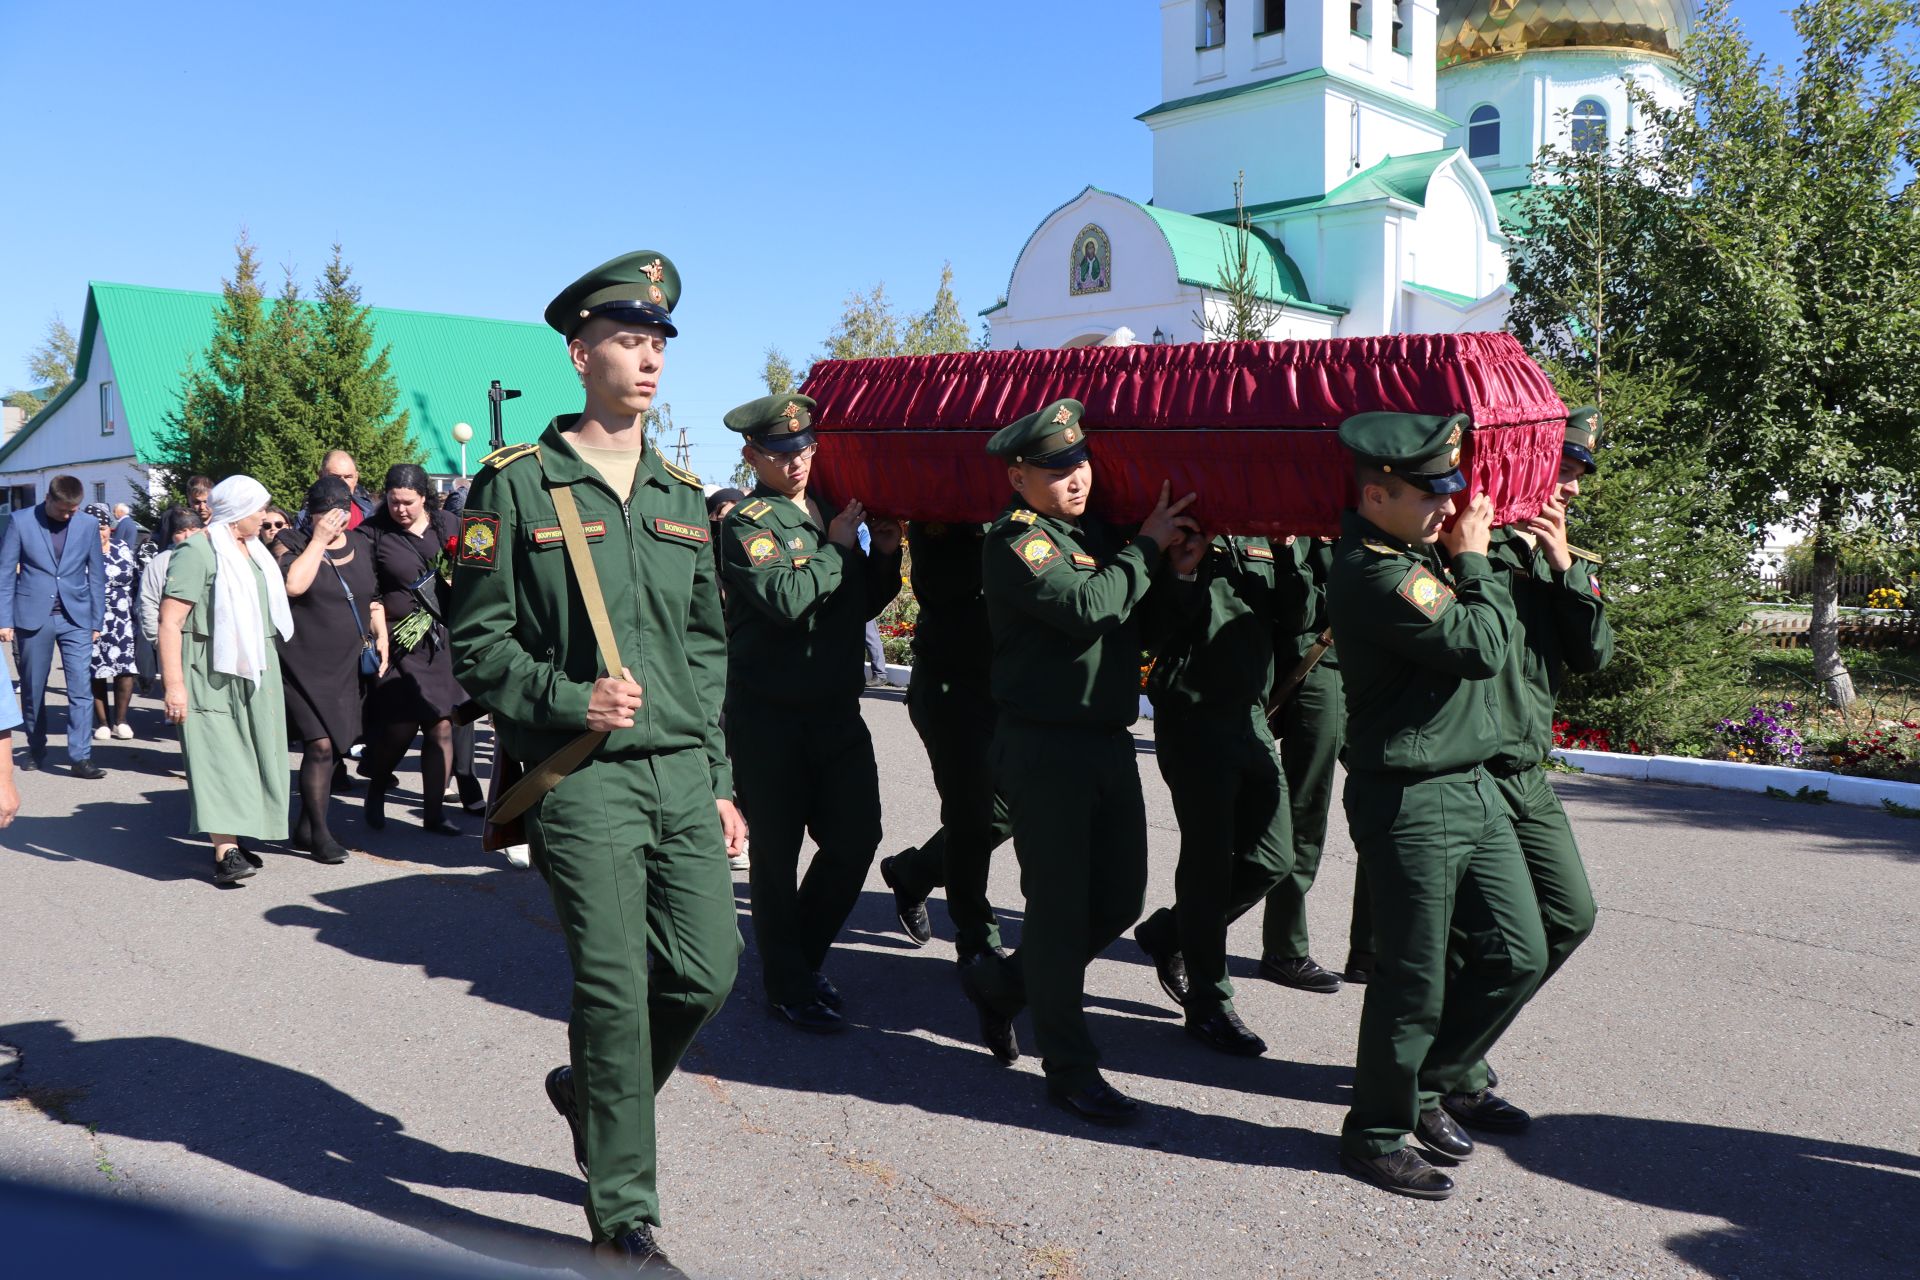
column 419, row 624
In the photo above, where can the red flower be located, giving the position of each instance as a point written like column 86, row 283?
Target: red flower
column 453, row 544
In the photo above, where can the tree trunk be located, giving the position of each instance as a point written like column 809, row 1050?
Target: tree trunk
column 1832, row 674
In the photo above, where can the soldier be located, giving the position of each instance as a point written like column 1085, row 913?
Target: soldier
column 799, row 593
column 1563, row 625
column 1421, row 637
column 1062, row 588
column 1309, row 722
column 951, row 705
column 632, row 835
column 1211, row 677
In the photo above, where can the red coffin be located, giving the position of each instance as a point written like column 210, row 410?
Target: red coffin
column 1249, row 426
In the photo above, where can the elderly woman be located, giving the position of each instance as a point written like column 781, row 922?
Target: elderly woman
column 418, row 694
column 338, row 624
column 224, row 604
column 113, row 662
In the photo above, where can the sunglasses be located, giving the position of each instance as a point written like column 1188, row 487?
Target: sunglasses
column 272, row 526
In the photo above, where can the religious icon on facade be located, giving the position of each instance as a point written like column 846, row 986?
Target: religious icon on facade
column 1092, row 262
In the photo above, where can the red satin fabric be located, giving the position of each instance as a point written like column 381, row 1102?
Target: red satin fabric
column 1248, row 426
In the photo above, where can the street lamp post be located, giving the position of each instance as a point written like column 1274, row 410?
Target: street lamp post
column 462, row 433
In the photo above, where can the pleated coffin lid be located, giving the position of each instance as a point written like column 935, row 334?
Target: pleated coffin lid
column 1249, row 426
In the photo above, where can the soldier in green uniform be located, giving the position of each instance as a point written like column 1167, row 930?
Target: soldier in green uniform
column 1062, row 588
column 1309, row 722
column 1562, row 626
column 1422, row 636
column 799, row 593
column 951, row 705
column 1212, row 671
column 632, row 839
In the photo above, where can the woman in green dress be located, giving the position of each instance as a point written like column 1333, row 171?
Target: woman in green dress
column 225, row 598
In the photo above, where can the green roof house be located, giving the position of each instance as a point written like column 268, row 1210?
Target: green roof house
column 136, row 342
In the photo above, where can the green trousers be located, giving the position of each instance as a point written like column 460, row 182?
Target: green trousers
column 633, row 855
column 1080, row 833
column 955, row 722
column 799, row 771
column 1311, row 725
column 1559, row 877
column 1236, row 840
column 1440, row 855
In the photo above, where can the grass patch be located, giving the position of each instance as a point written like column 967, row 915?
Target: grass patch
column 1805, row 795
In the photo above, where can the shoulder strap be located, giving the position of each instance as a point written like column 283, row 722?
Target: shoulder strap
column 365, row 634
column 589, row 578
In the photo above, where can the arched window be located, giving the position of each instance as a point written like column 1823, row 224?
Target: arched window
column 1483, row 132
column 1590, row 125
column 1213, row 24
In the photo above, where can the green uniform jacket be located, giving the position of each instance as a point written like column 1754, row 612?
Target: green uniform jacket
column 951, row 639
column 1309, row 561
column 522, row 644
column 1061, row 599
column 797, row 605
column 1562, row 624
column 1214, row 641
column 1420, row 642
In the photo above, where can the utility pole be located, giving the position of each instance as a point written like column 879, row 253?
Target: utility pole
column 683, row 452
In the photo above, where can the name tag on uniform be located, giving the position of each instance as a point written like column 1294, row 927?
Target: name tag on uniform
column 676, row 529
column 1257, row 553
column 553, row 536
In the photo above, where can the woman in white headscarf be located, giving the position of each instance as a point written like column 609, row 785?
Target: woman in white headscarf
column 225, row 599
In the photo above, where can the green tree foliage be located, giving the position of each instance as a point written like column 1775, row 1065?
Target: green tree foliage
column 1761, row 242
column 941, row 328
column 1248, row 312
column 1675, row 574
column 50, row 368
column 348, row 382
column 281, row 384
column 777, row 372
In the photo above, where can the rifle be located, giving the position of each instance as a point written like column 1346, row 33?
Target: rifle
column 1308, row 661
column 496, row 396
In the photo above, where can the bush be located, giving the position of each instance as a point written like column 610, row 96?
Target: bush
column 1892, row 750
column 1676, row 577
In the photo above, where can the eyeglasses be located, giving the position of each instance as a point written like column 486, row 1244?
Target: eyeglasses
column 272, row 526
column 787, row 459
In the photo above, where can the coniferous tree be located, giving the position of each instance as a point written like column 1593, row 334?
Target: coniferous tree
column 941, row 328
column 50, row 366
column 348, row 382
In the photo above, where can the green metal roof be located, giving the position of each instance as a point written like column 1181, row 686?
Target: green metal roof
column 1445, row 295
column 1511, row 206
column 1360, row 87
column 1403, row 178
column 440, row 365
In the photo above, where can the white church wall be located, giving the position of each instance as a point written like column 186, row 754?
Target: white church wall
column 1447, row 239
column 1144, row 290
column 70, row 440
column 1198, row 152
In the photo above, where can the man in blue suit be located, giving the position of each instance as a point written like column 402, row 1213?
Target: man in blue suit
column 53, row 594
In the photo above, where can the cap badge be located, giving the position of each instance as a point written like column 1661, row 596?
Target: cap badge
column 1454, row 460
column 1455, row 437
column 1072, row 434
column 654, row 271
column 1064, row 416
column 654, row 295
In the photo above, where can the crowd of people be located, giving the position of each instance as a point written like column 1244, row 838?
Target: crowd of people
column 667, row 674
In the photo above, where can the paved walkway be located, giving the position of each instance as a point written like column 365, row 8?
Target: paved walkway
column 1723, row 1076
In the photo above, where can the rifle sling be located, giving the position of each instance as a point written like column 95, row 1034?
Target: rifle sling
column 1308, row 661
column 548, row 774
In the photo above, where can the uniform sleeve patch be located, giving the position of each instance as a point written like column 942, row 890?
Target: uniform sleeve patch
column 1037, row 551
column 1425, row 592
column 1258, row 553
column 479, row 540
column 1085, row 561
column 757, row 508
column 1593, row 582
column 761, row 546
column 677, row 529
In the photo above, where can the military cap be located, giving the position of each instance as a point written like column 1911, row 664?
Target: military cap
column 1583, row 436
column 778, row 424
column 1421, row 449
column 634, row 288
column 1052, row 438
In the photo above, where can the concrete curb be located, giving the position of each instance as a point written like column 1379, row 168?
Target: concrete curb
column 1726, row 775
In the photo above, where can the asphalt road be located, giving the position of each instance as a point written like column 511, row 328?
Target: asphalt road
column 1723, row 1076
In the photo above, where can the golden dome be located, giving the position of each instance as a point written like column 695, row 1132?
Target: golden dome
column 1471, row 29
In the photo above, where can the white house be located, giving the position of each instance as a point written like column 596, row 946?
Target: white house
column 1382, row 144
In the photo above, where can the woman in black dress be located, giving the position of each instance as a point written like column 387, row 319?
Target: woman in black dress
column 418, row 694
column 336, row 612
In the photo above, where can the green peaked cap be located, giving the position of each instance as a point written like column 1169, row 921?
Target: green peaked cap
column 634, row 288
column 1421, row 449
column 780, row 423
column 1583, row 436
column 1053, row 438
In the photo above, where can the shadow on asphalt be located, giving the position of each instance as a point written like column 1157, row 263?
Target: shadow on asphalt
column 1861, row 830
column 270, row 1121
column 1795, row 1206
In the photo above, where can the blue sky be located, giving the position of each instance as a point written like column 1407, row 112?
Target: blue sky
column 475, row 158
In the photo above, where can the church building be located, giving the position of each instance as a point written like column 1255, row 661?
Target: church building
column 1383, row 144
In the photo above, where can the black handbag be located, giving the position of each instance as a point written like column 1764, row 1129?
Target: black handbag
column 369, row 652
